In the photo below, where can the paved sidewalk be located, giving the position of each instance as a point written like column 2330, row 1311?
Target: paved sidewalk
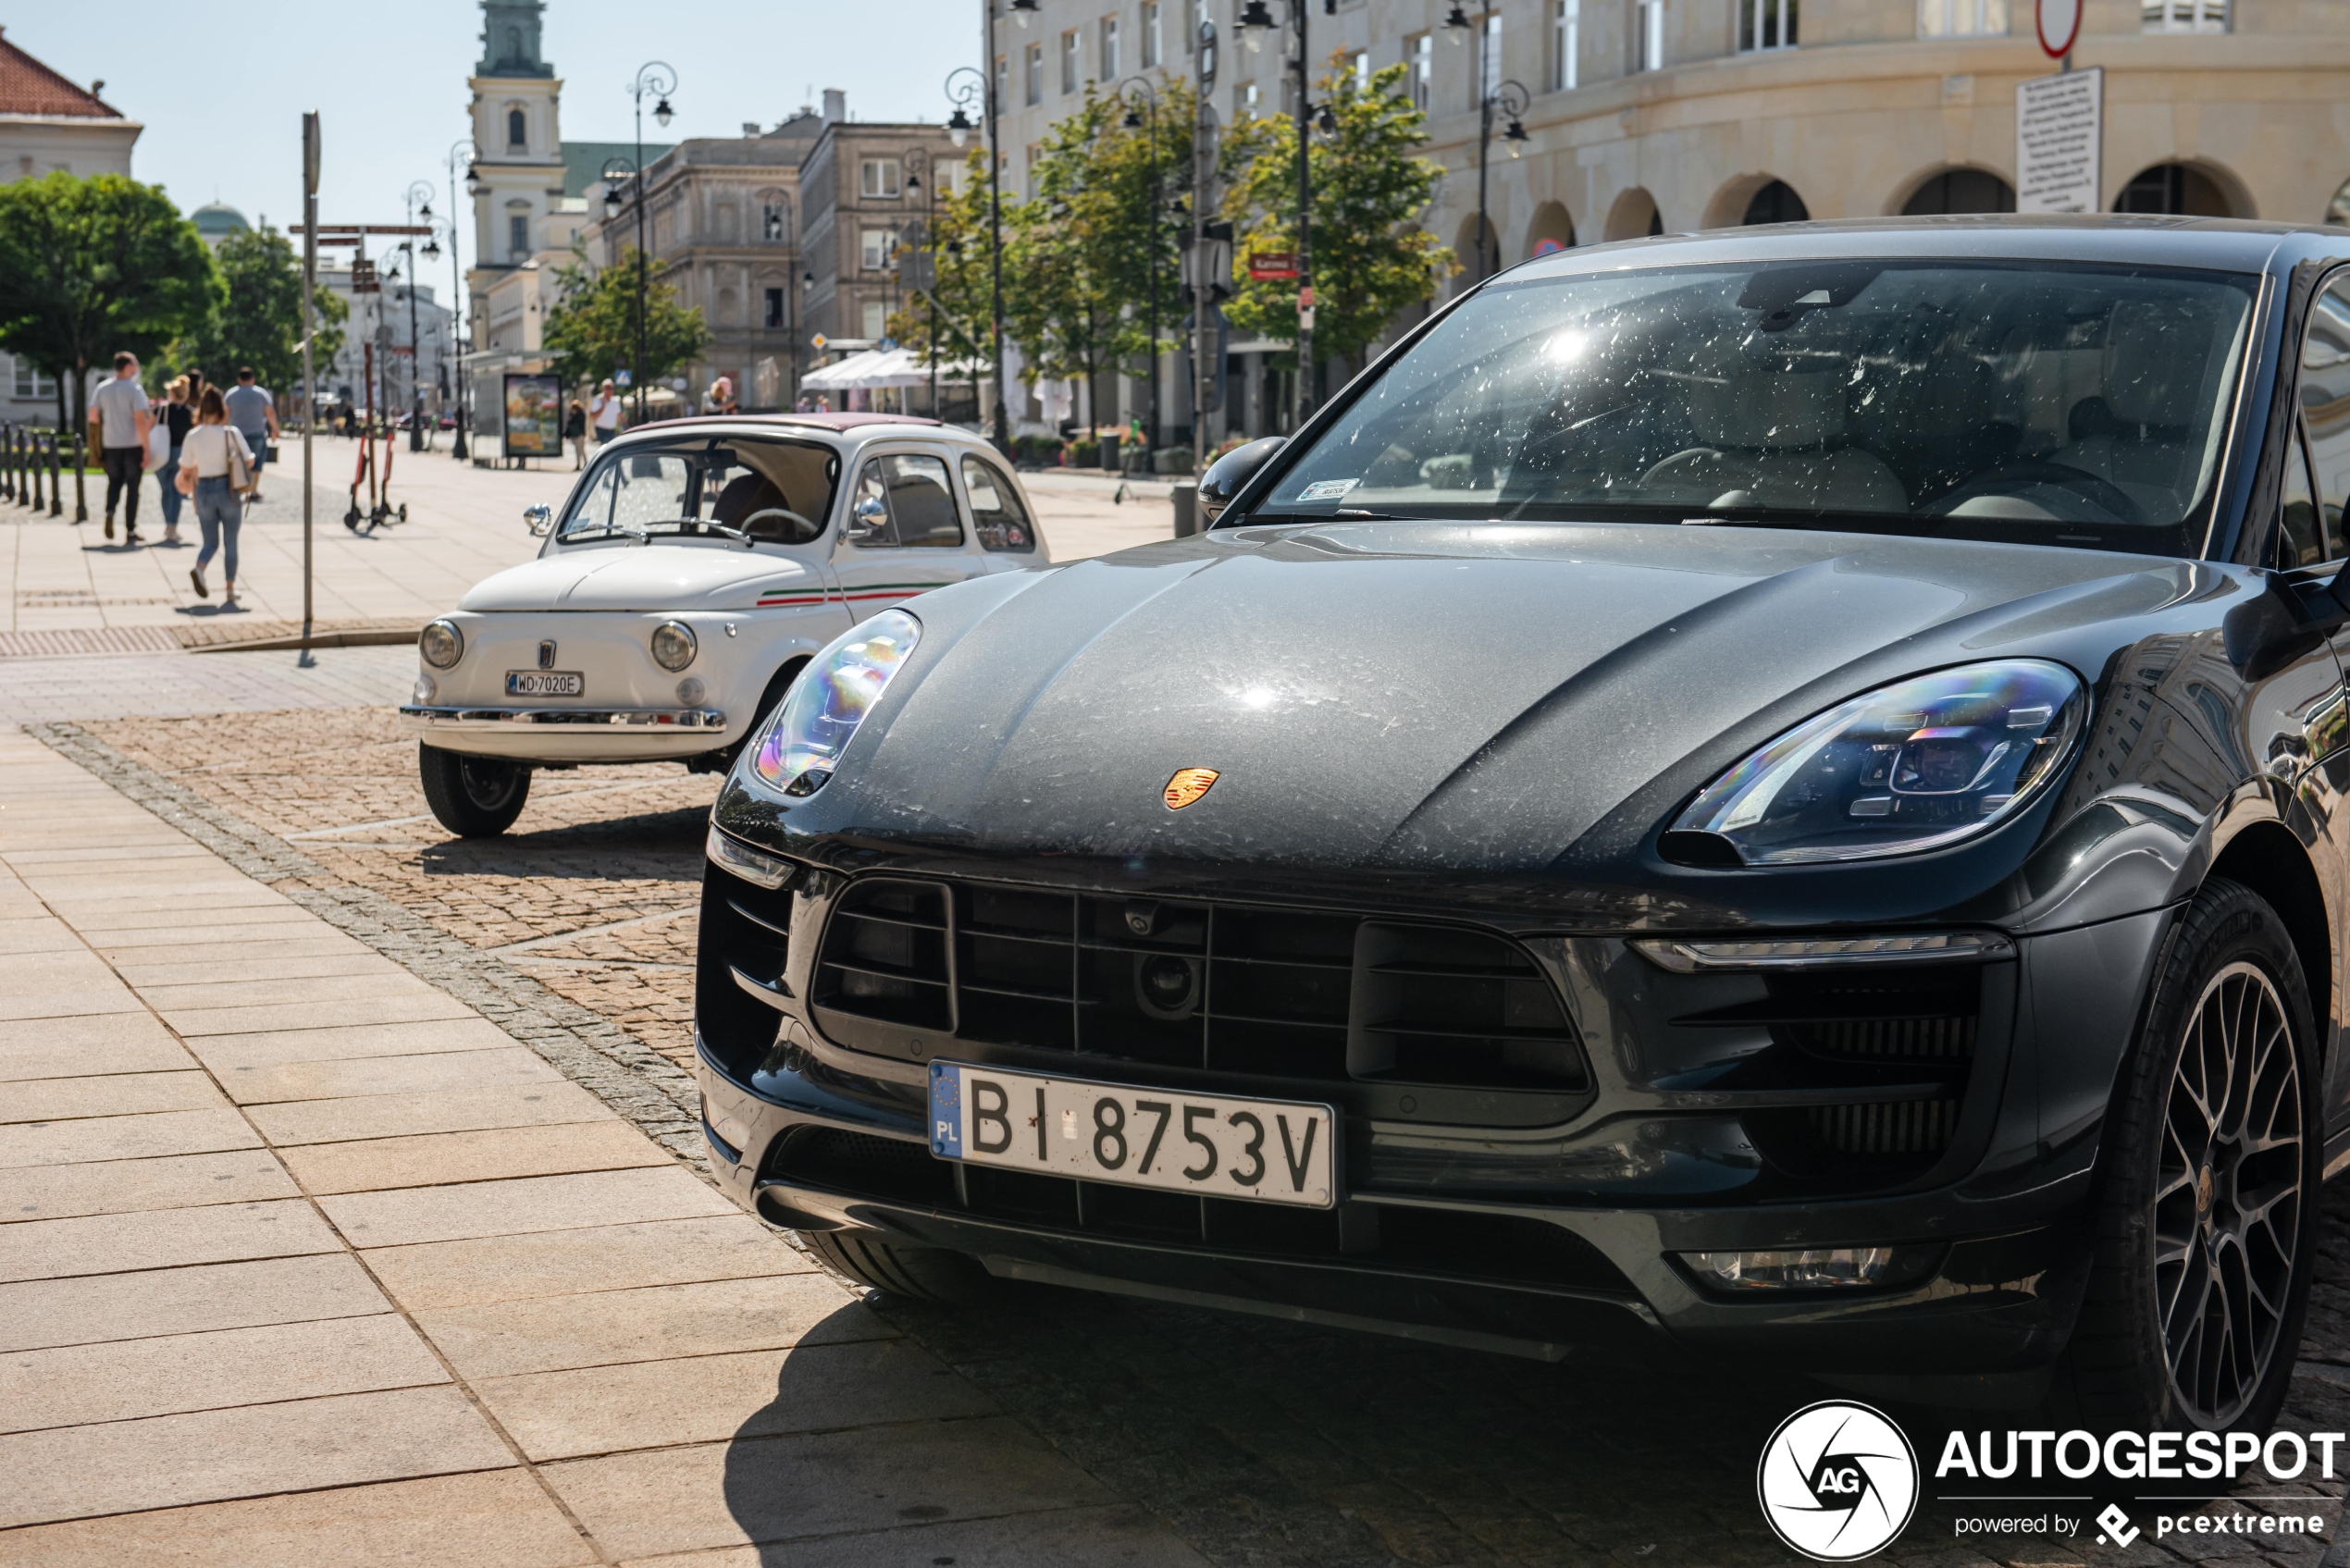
column 304, row 1261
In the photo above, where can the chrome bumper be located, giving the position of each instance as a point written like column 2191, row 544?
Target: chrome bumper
column 588, row 718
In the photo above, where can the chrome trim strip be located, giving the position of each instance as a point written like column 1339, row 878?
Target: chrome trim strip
column 773, row 996
column 1698, row 954
column 619, row 718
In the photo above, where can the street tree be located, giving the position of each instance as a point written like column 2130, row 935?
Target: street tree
column 1061, row 298
column 259, row 321
column 1369, row 257
column 90, row 268
column 593, row 324
column 952, row 274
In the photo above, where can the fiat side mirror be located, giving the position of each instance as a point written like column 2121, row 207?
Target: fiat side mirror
column 1227, row 476
column 539, row 519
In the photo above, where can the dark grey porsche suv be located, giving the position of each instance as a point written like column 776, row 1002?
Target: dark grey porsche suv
column 1771, row 792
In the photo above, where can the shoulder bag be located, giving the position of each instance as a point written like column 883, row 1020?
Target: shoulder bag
column 240, row 475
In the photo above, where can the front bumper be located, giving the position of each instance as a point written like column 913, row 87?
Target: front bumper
column 569, row 734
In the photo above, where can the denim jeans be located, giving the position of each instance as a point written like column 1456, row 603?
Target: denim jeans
column 168, row 476
column 218, row 512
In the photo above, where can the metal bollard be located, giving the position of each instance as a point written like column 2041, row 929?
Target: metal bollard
column 33, row 467
column 1186, row 508
column 56, row 472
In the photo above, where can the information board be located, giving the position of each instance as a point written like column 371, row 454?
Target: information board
column 534, row 415
column 2059, row 138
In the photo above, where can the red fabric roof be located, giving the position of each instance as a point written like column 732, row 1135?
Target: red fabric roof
column 27, row 87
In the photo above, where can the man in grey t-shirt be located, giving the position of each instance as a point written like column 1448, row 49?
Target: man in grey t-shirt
column 252, row 411
column 118, row 408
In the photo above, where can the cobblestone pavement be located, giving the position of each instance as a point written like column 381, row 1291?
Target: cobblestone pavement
column 1262, row 1443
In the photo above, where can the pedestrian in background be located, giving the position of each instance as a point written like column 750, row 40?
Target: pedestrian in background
column 216, row 467
column 118, row 417
column 176, row 418
column 575, row 432
column 605, row 411
column 255, row 413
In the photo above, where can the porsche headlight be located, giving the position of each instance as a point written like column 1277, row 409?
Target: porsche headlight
column 802, row 744
column 440, row 644
column 1917, row 765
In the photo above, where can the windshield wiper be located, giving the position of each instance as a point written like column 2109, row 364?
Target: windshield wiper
column 600, row 530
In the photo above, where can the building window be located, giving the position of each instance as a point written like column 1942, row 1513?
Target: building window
column 772, row 224
column 1035, row 74
column 1950, row 19
column 1003, row 82
column 1647, row 35
column 1361, row 64
column 876, row 247
column 1109, row 49
column 1070, row 47
column 880, row 179
column 517, row 131
column 1767, row 24
column 876, row 320
column 1028, row 168
column 1419, row 58
column 2183, row 16
column 1154, row 47
column 773, row 315
column 1567, row 38
column 30, row 383
column 1244, row 100
column 517, row 236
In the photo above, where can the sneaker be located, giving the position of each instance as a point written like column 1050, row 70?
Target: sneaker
column 130, row 538
column 171, row 536
column 195, row 575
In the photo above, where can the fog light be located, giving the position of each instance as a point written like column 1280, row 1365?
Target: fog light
column 673, row 645
column 426, row 689
column 690, row 691
column 752, row 865
column 1812, row 1268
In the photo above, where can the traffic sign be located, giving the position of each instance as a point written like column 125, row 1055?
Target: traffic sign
column 816, row 342
column 1264, row 266
column 2059, row 24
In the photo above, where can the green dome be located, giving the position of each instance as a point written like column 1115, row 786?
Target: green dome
column 217, row 222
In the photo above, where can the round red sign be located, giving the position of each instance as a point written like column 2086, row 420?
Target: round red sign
column 2060, row 25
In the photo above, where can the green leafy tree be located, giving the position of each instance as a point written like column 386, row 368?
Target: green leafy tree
column 90, row 268
column 952, row 273
column 1135, row 180
column 1368, row 256
column 259, row 321
column 593, row 324
column 1061, row 299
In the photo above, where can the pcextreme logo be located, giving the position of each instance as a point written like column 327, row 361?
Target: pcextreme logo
column 1837, row 1481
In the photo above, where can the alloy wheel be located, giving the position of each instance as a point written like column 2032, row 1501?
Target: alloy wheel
column 2228, row 1194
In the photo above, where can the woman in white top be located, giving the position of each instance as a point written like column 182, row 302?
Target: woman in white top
column 211, row 461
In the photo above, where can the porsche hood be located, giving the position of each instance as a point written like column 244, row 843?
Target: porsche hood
column 651, row 577
column 1417, row 696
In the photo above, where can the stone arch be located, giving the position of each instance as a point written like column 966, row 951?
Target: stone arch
column 1553, row 229
column 1634, row 215
column 1753, row 199
column 2185, row 189
column 1465, row 251
column 1957, row 188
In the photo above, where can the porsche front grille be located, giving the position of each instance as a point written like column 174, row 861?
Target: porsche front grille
column 1227, row 987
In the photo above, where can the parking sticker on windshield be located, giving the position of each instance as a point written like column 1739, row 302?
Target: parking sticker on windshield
column 1328, row 489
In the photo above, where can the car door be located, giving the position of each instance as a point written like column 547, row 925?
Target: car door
column 904, row 534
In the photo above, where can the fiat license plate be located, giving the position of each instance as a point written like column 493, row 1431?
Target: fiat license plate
column 1208, row 1145
column 545, row 683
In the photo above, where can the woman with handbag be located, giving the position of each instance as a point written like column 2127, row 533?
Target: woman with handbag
column 216, row 468
column 173, row 421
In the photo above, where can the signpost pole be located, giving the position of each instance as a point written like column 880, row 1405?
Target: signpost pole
column 309, row 357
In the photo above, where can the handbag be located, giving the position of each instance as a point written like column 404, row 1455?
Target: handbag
column 158, row 445
column 240, row 475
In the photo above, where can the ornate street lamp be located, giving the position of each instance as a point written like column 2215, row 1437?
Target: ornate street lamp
column 1507, row 101
column 659, row 78
column 461, row 153
column 617, row 168
column 966, row 88
column 419, row 200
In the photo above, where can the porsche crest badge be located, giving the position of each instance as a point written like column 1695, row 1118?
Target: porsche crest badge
column 1188, row 786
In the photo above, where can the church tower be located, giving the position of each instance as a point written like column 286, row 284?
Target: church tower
column 518, row 155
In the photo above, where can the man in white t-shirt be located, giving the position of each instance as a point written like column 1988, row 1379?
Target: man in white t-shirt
column 605, row 411
column 119, row 411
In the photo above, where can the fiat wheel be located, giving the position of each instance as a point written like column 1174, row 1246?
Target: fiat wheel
column 473, row 796
column 2207, row 1206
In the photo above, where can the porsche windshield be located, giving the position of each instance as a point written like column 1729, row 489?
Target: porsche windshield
column 2048, row 402
column 774, row 491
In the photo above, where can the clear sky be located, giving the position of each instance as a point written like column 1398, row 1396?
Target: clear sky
column 221, row 89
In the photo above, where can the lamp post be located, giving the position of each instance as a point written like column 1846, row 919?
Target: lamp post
column 616, row 169
column 461, row 153
column 1254, row 16
column 419, row 200
column 1495, row 100
column 1136, row 122
column 965, row 87
column 659, row 78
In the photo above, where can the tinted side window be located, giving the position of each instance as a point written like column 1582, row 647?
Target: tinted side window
column 921, row 501
column 996, row 514
column 2325, row 402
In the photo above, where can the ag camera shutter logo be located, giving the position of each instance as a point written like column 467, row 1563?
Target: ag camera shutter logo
column 1837, row 1481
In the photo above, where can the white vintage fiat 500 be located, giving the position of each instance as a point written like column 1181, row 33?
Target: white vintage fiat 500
column 695, row 568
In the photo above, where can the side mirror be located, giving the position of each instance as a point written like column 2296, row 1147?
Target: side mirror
column 2288, row 619
column 1227, row 476
column 539, row 519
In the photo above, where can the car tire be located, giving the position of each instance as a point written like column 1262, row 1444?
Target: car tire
column 473, row 796
column 2203, row 1225
column 922, row 1274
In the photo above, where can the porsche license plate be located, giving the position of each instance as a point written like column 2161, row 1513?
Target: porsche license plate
column 545, row 683
column 1207, row 1145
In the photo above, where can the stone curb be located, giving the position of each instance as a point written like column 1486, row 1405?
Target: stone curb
column 625, row 1074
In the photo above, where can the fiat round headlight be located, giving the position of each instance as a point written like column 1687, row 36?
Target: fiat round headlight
column 812, row 727
column 674, row 645
column 1917, row 765
column 440, row 644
